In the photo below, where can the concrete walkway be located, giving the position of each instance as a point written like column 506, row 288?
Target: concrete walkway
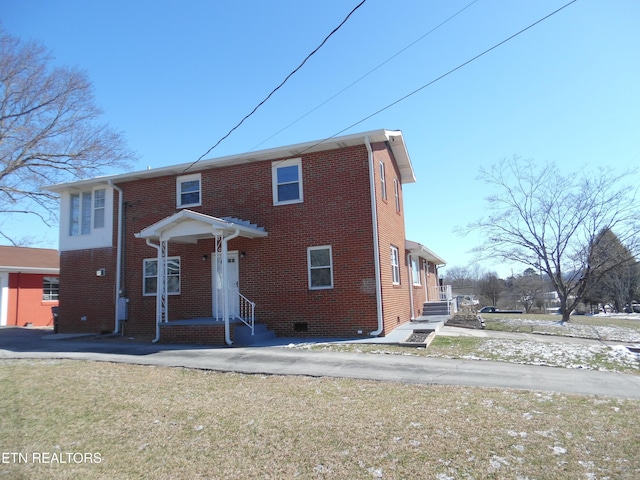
column 275, row 360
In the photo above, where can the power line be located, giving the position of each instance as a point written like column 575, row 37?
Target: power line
column 366, row 74
column 278, row 87
column 443, row 75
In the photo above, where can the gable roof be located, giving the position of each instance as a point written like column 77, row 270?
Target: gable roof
column 29, row 260
column 187, row 226
column 393, row 137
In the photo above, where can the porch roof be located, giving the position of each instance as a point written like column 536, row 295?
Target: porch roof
column 419, row 250
column 187, row 226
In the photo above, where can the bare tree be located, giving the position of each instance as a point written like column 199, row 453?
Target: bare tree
column 491, row 288
column 550, row 222
column 49, row 131
column 527, row 288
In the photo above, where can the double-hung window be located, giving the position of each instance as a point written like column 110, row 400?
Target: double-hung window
column 287, row 181
column 189, row 190
column 150, row 276
column 50, row 289
column 320, row 264
column 383, row 182
column 395, row 265
column 396, row 193
column 87, row 210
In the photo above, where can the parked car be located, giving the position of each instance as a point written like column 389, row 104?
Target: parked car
column 491, row 309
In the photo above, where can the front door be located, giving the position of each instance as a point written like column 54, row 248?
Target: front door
column 232, row 283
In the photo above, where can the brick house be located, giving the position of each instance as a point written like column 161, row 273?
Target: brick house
column 307, row 239
column 28, row 286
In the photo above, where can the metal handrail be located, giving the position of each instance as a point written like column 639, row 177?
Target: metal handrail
column 246, row 311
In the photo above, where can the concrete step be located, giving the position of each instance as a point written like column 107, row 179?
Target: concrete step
column 261, row 334
column 435, row 308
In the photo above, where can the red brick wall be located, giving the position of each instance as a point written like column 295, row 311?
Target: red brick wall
column 83, row 294
column 25, row 303
column 336, row 211
column 395, row 298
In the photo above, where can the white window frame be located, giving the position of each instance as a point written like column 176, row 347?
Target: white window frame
column 50, row 288
column 396, row 192
column 416, row 272
column 395, row 265
column 86, row 208
column 383, row 182
column 145, row 276
column 310, row 268
column 188, row 178
column 274, row 180
column 99, row 208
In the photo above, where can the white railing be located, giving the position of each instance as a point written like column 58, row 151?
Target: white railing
column 441, row 293
column 246, row 312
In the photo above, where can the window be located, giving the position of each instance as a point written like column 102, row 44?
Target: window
column 287, row 181
column 84, row 206
column 98, row 209
column 383, row 182
column 415, row 270
column 188, row 188
column 396, row 192
column 50, row 289
column 395, row 265
column 150, row 280
column 320, row 267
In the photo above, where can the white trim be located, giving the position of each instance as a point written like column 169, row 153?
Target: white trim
column 395, row 267
column 188, row 178
column 383, row 181
column 376, row 241
column 4, row 297
column 310, row 268
column 396, row 194
column 274, row 180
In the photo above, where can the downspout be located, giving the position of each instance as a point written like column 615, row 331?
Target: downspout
column 118, row 253
column 158, row 300
column 225, row 291
column 376, row 245
column 410, row 282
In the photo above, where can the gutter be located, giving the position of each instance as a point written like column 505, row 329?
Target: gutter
column 119, row 254
column 376, row 245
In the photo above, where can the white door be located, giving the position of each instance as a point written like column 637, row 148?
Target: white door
column 232, row 283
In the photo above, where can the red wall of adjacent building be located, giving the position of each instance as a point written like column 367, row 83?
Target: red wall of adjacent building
column 25, row 301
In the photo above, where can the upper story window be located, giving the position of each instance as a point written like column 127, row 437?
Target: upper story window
column 396, row 193
column 150, row 276
column 50, row 289
column 320, row 267
column 86, row 210
column 188, row 190
column 383, row 182
column 395, row 265
column 287, row 181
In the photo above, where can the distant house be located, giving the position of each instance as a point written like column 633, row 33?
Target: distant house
column 306, row 240
column 29, row 286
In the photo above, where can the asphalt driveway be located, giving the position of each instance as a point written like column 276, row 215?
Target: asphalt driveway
column 274, row 360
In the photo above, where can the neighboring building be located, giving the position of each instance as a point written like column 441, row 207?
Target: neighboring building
column 28, row 286
column 309, row 239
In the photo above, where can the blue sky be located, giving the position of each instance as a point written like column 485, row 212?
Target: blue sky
column 174, row 77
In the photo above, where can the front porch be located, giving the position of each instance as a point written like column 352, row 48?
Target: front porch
column 211, row 331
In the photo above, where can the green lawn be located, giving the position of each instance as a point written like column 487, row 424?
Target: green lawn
column 174, row 423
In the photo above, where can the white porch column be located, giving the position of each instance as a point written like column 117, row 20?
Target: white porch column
column 225, row 286
column 162, row 310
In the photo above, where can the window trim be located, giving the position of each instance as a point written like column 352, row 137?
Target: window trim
column 144, row 276
column 53, row 294
column 395, row 265
column 86, row 207
column 274, row 180
column 188, row 178
column 310, row 268
column 396, row 193
column 383, row 181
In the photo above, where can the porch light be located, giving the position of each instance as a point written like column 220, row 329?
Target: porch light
column 205, row 257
